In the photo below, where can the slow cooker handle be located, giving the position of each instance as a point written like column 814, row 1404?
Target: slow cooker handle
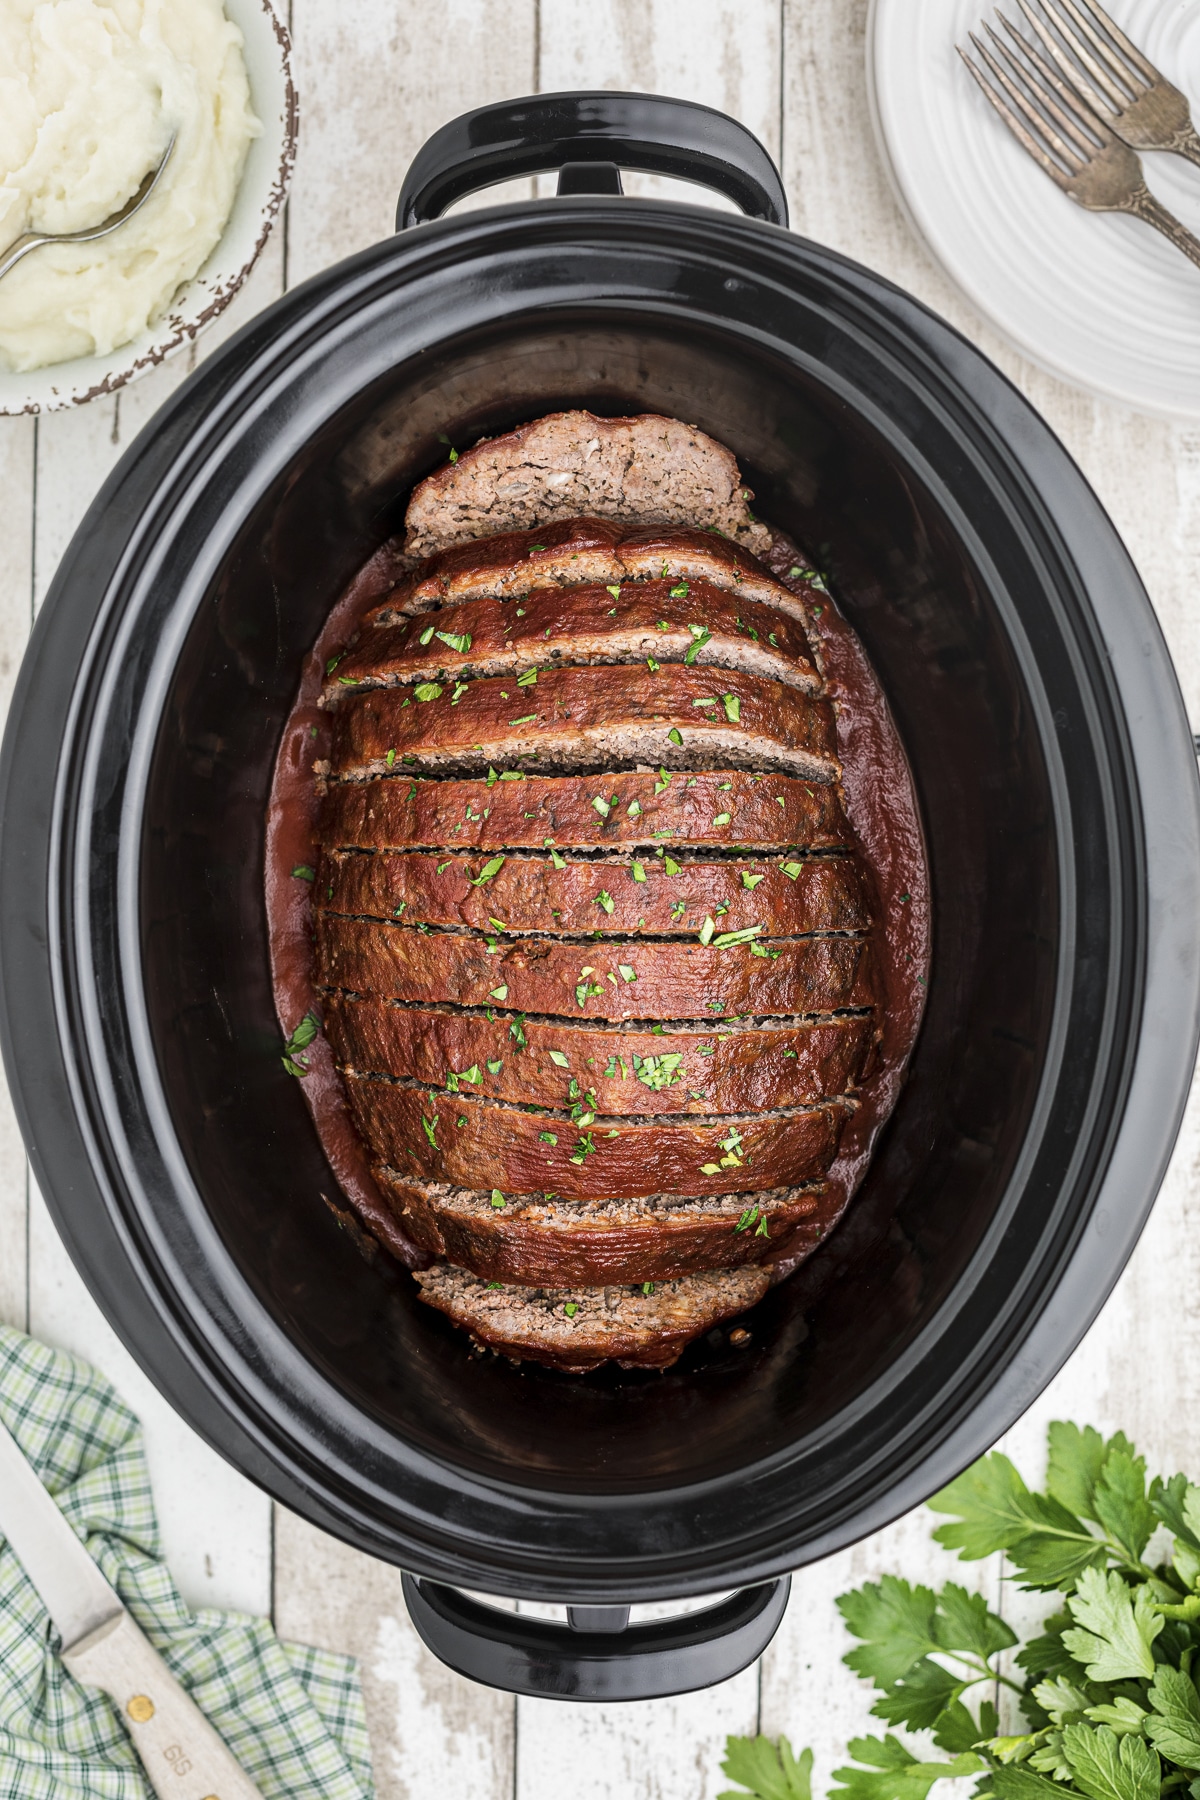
column 598, row 1655
column 591, row 136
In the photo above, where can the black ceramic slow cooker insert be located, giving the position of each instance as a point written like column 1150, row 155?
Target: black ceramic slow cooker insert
column 1057, row 783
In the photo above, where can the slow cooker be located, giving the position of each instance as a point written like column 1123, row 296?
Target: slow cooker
column 1057, row 781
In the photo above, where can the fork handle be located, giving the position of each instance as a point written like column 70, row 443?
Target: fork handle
column 1186, row 142
column 1146, row 206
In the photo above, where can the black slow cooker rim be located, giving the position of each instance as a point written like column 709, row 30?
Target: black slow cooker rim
column 38, row 837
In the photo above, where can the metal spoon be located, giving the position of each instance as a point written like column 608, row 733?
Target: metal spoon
column 33, row 240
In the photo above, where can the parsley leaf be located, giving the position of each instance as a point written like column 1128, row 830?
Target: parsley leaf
column 768, row 1771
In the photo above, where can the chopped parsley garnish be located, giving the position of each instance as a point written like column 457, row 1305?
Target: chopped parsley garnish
column 525, row 719
column 680, row 592
column 428, row 690
column 700, row 636
column 560, row 1059
column 498, row 1199
column 733, row 707
column 430, row 1128
column 751, row 881
column 528, row 679
column 792, row 869
column 492, row 867
column 604, row 899
column 675, row 738
column 637, row 871
column 303, row 872
column 457, row 640
column 294, row 1060
column 659, row 1072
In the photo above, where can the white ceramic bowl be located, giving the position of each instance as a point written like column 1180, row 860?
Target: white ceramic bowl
column 259, row 197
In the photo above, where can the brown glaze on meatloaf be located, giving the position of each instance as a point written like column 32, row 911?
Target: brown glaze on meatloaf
column 592, row 980
column 682, row 1069
column 461, row 1140
column 655, row 1238
column 661, row 811
column 589, row 718
column 575, row 551
column 655, row 622
column 630, row 895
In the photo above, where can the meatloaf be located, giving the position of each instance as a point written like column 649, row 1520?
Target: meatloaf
column 592, row 933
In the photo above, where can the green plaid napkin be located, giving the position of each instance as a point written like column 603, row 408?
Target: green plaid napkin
column 292, row 1716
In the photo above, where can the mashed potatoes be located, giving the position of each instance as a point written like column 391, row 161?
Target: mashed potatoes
column 90, row 92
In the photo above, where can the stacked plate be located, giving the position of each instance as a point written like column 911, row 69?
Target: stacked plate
column 1096, row 297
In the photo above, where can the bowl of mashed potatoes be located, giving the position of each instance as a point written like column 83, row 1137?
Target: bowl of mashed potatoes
column 91, row 94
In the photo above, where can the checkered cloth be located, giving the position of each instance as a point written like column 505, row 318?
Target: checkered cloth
column 293, row 1717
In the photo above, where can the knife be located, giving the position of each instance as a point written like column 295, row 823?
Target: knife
column 183, row 1756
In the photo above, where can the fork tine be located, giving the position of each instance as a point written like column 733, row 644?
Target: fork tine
column 1096, row 100
column 1037, row 79
column 1091, row 50
column 1141, row 63
column 1010, row 118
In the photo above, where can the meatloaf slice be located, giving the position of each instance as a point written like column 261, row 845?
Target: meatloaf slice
column 646, row 980
column 646, row 469
column 479, row 1143
column 574, row 551
column 654, row 622
column 564, row 1242
column 695, row 1068
column 632, row 895
column 576, row 1328
column 578, row 718
column 663, row 811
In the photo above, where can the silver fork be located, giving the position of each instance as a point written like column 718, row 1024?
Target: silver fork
column 1072, row 144
column 1144, row 109
column 33, row 240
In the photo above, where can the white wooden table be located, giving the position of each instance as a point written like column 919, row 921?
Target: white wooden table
column 376, row 77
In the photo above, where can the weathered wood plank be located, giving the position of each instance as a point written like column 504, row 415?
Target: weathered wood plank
column 375, row 81
column 433, row 1734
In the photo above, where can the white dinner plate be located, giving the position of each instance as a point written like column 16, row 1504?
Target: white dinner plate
column 1099, row 298
column 258, row 199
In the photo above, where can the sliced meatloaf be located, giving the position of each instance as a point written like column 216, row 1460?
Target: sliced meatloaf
column 581, row 718
column 658, row 1237
column 684, row 1069
column 629, row 895
column 577, row 1328
column 574, row 551
column 662, row 811
column 591, row 927
column 655, row 622
column 646, row 469
column 646, row 980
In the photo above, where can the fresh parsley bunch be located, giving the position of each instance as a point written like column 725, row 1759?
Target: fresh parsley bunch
column 1108, row 1692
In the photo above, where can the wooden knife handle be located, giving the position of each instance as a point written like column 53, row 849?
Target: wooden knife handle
column 183, row 1756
